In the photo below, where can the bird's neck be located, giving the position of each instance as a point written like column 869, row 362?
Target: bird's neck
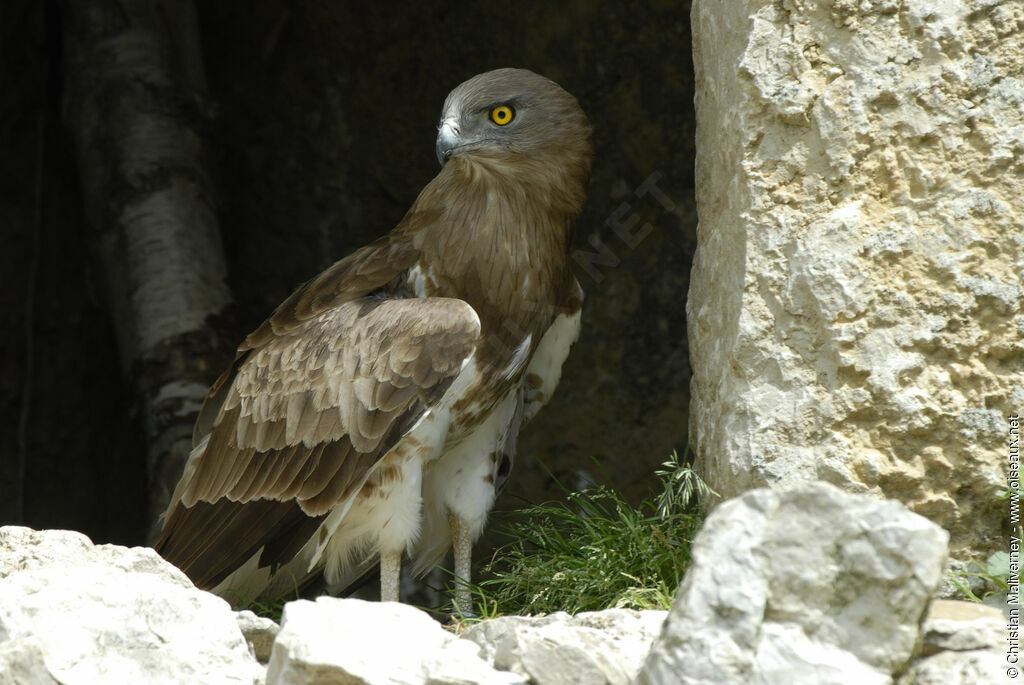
column 523, row 208
column 496, row 233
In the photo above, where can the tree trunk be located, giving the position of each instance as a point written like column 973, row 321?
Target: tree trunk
column 134, row 103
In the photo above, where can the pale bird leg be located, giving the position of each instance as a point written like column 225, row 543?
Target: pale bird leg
column 390, row 572
column 462, row 549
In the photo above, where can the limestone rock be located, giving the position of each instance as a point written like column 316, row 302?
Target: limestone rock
column 259, row 632
column 977, row 667
column 855, row 309
column 592, row 648
column 23, row 550
column 962, row 626
column 962, row 642
column 357, row 642
column 73, row 612
column 800, row 584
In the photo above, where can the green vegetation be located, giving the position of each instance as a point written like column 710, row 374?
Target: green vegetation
column 995, row 572
column 271, row 609
column 594, row 551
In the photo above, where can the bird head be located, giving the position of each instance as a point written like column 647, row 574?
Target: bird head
column 513, row 113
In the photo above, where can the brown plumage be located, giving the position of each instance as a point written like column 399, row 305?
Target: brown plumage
column 366, row 416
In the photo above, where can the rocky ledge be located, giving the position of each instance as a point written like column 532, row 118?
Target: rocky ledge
column 802, row 584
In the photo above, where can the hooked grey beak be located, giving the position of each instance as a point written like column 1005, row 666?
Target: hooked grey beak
column 447, row 140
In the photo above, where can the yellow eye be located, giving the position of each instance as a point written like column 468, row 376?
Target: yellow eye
column 502, row 114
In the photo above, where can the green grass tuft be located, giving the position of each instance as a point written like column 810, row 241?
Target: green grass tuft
column 595, row 551
column 271, row 609
column 995, row 573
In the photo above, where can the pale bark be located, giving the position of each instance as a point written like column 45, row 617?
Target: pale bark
column 134, row 98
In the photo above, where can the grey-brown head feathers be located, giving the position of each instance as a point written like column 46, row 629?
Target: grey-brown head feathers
column 514, row 112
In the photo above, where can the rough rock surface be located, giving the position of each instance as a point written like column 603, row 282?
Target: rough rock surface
column 259, row 632
column 855, row 311
column 962, row 626
column 962, row 646
column 357, row 642
column 977, row 667
column 73, row 612
column 800, row 584
column 593, row 648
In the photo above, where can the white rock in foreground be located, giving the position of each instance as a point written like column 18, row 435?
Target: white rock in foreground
column 802, row 584
column 590, row 648
column 259, row 632
column 73, row 612
column 356, row 642
column 977, row 667
column 963, row 645
column 962, row 626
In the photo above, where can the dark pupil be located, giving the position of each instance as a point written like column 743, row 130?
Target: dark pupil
column 501, row 114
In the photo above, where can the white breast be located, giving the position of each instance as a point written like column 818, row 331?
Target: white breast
column 462, row 481
column 545, row 368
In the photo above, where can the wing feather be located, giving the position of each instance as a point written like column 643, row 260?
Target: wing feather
column 251, row 461
column 364, row 389
column 251, row 477
column 292, row 461
column 233, row 533
column 307, row 410
column 331, row 459
column 312, row 458
column 219, row 442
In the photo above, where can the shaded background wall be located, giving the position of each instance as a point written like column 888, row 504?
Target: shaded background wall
column 322, row 117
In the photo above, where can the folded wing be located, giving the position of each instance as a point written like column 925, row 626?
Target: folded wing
column 295, row 426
